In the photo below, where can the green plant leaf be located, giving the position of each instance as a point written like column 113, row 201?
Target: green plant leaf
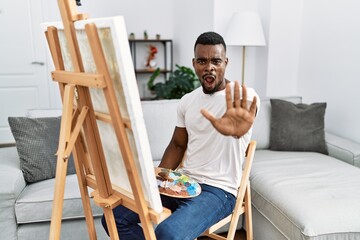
column 181, row 81
column 150, row 83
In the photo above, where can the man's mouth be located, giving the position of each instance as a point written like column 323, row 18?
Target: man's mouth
column 209, row 78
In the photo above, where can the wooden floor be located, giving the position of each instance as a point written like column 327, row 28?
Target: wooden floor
column 240, row 235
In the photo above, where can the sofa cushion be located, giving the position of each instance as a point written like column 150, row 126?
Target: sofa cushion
column 35, row 203
column 37, row 142
column 307, row 195
column 71, row 229
column 297, row 127
column 160, row 120
column 43, row 112
column 261, row 128
column 343, row 149
column 11, row 184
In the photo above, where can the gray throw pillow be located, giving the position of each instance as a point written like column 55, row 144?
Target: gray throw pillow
column 297, row 127
column 37, row 141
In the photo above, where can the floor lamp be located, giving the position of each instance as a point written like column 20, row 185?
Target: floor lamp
column 245, row 30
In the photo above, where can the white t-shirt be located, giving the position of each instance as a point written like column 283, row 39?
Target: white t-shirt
column 211, row 158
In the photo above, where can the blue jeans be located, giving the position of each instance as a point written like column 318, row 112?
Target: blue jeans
column 190, row 217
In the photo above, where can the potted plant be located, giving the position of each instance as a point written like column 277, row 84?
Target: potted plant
column 181, row 81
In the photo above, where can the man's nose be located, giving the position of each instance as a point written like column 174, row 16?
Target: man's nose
column 209, row 66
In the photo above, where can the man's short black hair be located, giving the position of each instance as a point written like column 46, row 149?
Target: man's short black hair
column 210, row 38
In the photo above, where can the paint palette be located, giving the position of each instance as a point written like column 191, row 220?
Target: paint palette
column 175, row 184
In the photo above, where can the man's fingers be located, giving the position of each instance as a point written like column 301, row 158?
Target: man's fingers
column 208, row 116
column 229, row 101
column 236, row 95
column 244, row 97
column 211, row 118
column 253, row 107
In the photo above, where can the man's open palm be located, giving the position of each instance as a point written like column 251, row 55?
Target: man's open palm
column 238, row 117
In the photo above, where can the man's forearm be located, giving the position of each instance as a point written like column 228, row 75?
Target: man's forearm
column 172, row 157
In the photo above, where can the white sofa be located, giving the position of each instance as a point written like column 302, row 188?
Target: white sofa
column 25, row 209
column 304, row 195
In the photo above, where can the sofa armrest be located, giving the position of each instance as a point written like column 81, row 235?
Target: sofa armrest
column 343, row 149
column 12, row 183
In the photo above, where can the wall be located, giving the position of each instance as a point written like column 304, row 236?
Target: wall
column 189, row 22
column 283, row 47
column 312, row 52
column 329, row 62
column 140, row 15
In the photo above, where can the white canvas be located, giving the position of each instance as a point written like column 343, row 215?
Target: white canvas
column 113, row 37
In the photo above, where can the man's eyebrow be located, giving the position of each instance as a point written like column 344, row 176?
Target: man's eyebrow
column 213, row 58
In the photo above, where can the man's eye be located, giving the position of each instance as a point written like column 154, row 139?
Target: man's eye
column 201, row 61
column 216, row 61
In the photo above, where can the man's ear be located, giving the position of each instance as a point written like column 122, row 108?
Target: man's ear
column 193, row 62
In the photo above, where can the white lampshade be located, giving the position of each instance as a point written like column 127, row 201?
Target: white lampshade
column 245, row 30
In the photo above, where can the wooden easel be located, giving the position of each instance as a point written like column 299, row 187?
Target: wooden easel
column 79, row 134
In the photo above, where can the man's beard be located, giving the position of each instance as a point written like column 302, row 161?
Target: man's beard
column 211, row 91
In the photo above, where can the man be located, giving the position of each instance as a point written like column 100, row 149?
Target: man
column 213, row 130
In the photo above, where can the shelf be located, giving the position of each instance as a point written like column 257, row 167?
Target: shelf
column 167, row 66
column 144, row 71
column 150, row 40
column 164, row 60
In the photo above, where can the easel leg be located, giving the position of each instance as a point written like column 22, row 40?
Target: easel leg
column 248, row 214
column 79, row 156
column 61, row 165
column 84, row 191
column 110, row 222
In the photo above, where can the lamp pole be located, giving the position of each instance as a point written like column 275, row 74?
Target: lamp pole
column 243, row 67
